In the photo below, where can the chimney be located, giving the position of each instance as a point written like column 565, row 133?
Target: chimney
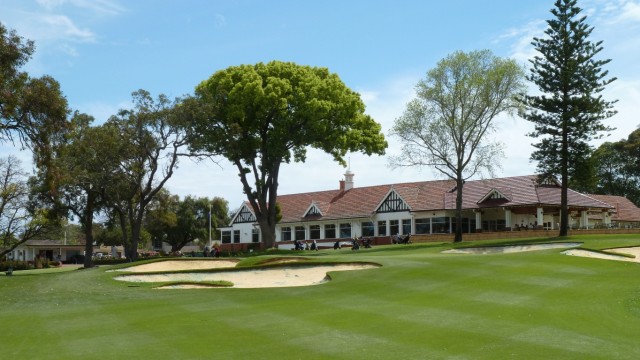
column 341, row 185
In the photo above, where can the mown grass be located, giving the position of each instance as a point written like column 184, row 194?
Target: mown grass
column 421, row 304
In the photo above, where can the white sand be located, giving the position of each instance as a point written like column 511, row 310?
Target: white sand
column 174, row 265
column 635, row 251
column 255, row 278
column 511, row 248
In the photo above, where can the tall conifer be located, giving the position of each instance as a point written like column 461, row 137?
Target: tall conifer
column 569, row 110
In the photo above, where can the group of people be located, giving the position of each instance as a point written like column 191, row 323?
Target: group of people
column 401, row 239
column 215, row 252
column 524, row 226
column 357, row 243
column 299, row 245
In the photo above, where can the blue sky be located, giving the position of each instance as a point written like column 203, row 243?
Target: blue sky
column 102, row 50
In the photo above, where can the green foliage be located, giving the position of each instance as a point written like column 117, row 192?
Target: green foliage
column 32, row 110
column 260, row 116
column 151, row 136
column 617, row 167
column 14, row 264
column 448, row 125
column 569, row 112
column 178, row 222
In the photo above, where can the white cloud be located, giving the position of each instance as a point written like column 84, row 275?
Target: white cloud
column 520, row 40
column 99, row 7
column 62, row 27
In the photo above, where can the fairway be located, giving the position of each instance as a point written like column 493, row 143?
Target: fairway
column 420, row 304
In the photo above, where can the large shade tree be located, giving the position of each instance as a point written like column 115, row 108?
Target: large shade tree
column 151, row 140
column 448, row 125
column 81, row 169
column 261, row 116
column 32, row 110
column 568, row 111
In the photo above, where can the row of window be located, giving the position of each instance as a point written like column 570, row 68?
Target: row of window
column 226, row 236
column 436, row 225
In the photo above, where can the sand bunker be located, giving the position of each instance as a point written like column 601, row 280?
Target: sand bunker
column 254, row 278
column 634, row 251
column 512, row 248
column 177, row 265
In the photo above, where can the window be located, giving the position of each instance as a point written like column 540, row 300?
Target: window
column 501, row 225
column 300, row 235
column 406, row 226
column 367, row 229
column 236, row 236
column 345, row 230
column 314, row 232
column 330, row 231
column 226, row 237
column 255, row 235
column 285, row 233
column 423, row 226
column 440, row 225
column 394, row 227
column 382, row 228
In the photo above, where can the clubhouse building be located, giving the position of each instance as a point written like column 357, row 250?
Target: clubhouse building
column 428, row 208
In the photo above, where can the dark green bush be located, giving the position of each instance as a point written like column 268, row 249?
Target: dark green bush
column 14, row 264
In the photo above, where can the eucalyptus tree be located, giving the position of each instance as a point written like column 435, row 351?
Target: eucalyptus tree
column 84, row 166
column 151, row 139
column 568, row 112
column 261, row 116
column 449, row 123
column 32, row 110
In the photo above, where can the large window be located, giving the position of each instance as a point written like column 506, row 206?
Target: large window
column 423, row 226
column 406, row 226
column 226, row 237
column 367, row 228
column 300, row 235
column 345, row 230
column 285, row 233
column 314, row 232
column 236, row 236
column 382, row 228
column 394, row 227
column 255, row 235
column 440, row 225
column 330, row 231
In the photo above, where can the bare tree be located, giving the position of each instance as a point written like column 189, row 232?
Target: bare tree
column 17, row 223
column 447, row 125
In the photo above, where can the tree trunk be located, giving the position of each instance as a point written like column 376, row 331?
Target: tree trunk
column 458, row 230
column 564, row 208
column 88, row 232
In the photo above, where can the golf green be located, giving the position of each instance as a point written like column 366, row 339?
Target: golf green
column 420, row 304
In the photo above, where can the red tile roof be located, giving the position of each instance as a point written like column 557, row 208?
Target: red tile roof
column 430, row 195
column 623, row 208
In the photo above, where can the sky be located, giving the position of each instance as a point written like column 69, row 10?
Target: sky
column 103, row 50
